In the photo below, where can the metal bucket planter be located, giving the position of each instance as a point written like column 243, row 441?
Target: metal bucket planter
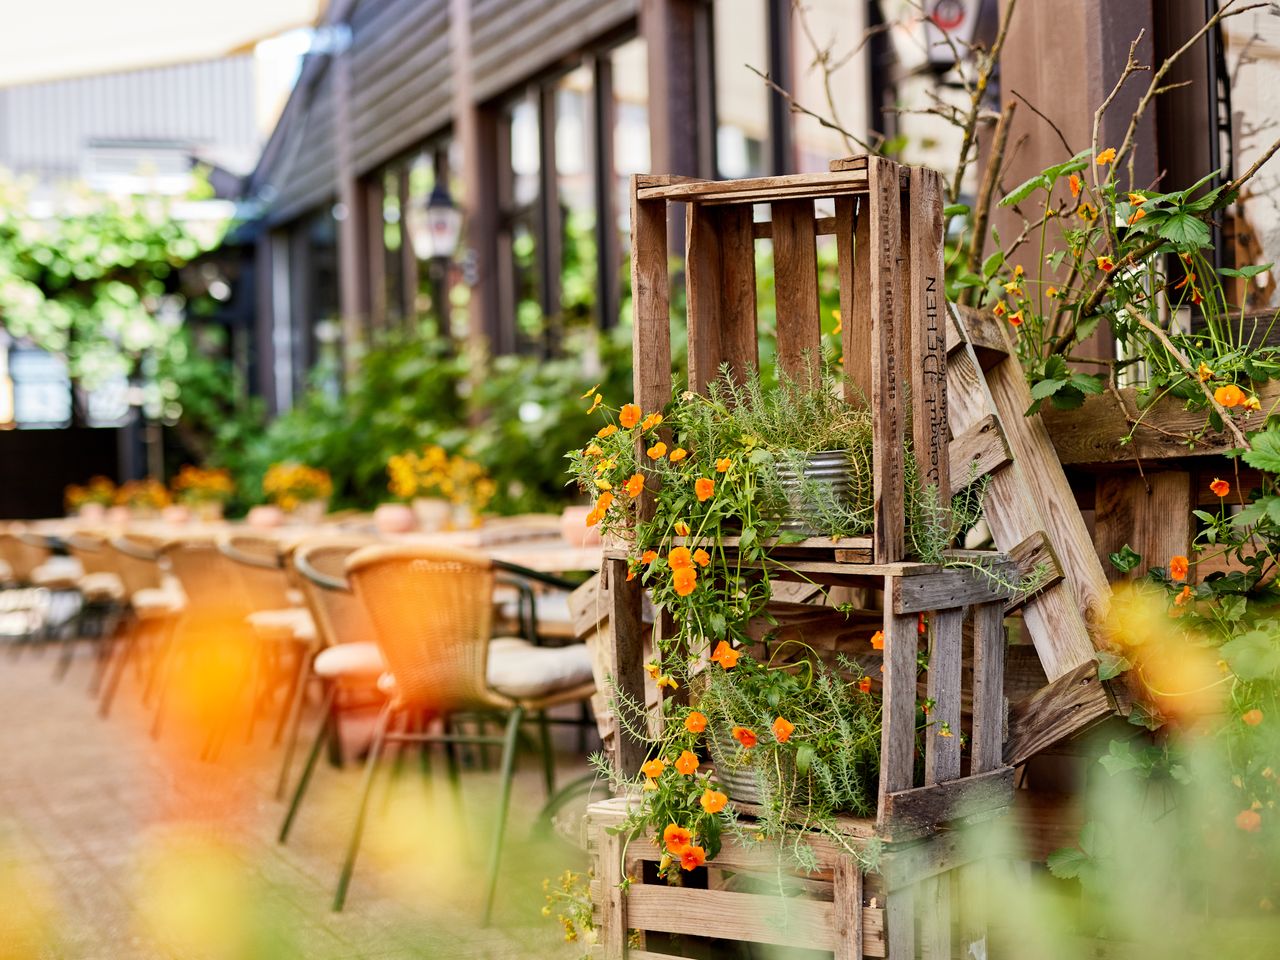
column 810, row 480
column 738, row 780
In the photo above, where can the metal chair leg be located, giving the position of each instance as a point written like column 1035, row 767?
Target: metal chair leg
column 297, row 681
column 292, row 721
column 504, row 803
column 357, row 833
column 322, row 734
column 124, row 649
column 548, row 753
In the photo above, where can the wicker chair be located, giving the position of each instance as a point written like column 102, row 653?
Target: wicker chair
column 347, row 662
column 102, row 596
column 432, row 611
column 152, row 610
column 284, row 629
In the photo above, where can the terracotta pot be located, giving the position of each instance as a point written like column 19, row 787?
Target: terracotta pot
column 119, row 515
column 207, row 511
column 177, row 514
column 434, row 513
column 574, row 529
column 394, row 518
column 265, row 517
column 310, row 511
column 92, row 513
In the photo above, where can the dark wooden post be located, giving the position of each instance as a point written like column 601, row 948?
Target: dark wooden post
column 353, row 280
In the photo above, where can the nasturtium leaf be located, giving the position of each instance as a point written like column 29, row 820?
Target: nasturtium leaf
column 1254, row 655
column 1246, row 272
column 1024, row 190
column 1067, row 863
column 1185, row 230
column 1125, row 559
column 1265, row 452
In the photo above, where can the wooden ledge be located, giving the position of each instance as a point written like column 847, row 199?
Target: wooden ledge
column 761, row 189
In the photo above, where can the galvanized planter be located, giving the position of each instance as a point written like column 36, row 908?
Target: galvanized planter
column 810, row 479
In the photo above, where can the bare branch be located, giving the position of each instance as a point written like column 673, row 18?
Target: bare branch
column 982, row 211
column 986, row 68
column 1062, row 138
column 797, row 107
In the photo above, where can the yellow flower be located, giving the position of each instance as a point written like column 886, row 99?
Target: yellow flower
column 607, row 431
column 595, row 404
column 1203, row 371
column 590, row 392
column 1106, row 156
column 839, row 322
column 651, row 421
column 603, row 484
column 1011, row 287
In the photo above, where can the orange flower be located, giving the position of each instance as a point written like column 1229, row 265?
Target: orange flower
column 1106, row 156
column 629, row 415
column 1183, row 596
column 665, row 681
column 652, row 669
column 745, row 737
column 608, row 431
column 590, row 392
column 1073, row 182
column 684, row 582
column 631, row 574
column 1178, row 567
column 648, row 556
column 782, row 729
column 692, row 858
column 725, row 655
column 1137, row 215
column 1250, row 821
column 723, row 464
column 1136, row 199
column 676, row 838
column 1186, row 278
column 687, row 763
column 593, row 450
column 678, row 454
column 1105, row 264
column 1088, row 213
column 680, row 558
column 1000, row 309
column 657, row 451
column 701, row 557
column 653, row 768
column 594, row 517
column 1219, row 487
column 635, row 485
column 704, row 488
column 695, row 722
column 1204, row 371
column 712, row 801
column 865, row 684
column 1016, row 318
column 1229, row 396
column 651, row 421
column 1252, row 717
column 1252, row 403
column 596, row 403
column 877, row 640
column 682, row 528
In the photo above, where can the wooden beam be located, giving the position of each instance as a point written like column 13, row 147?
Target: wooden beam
column 897, row 739
column 1150, row 513
column 1028, row 555
column 889, row 344
column 408, row 260
column 918, row 812
column 1090, row 436
column 979, row 450
column 982, row 331
column 375, row 251
column 949, row 589
column 1069, row 704
column 928, row 319
column 943, row 732
column 353, row 277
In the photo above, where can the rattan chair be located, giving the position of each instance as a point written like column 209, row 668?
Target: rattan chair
column 152, row 610
column 347, row 663
column 102, row 598
column 432, row 612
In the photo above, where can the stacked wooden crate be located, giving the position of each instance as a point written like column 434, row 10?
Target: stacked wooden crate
column 888, row 225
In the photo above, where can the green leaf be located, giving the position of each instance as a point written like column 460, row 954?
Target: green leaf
column 1066, row 864
column 1046, row 388
column 718, row 624
column 1090, row 383
column 1253, row 656
column 1120, row 757
column 1068, row 398
column 1246, row 272
column 1024, row 190
column 1110, row 665
column 955, row 210
column 804, row 757
column 992, row 264
column 1185, row 230
column 1126, row 559
column 1265, row 454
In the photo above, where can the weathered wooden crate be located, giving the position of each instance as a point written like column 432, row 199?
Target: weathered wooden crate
column 888, row 226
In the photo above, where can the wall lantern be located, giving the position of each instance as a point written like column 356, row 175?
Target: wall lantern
column 435, row 227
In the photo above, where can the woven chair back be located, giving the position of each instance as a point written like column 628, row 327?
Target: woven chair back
column 320, row 565
column 136, row 559
column 23, row 553
column 259, row 564
column 210, row 580
column 91, row 550
column 432, row 613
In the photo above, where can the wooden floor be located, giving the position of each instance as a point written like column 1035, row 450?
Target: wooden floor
column 114, row 847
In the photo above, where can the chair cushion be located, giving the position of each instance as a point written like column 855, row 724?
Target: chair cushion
column 350, row 660
column 153, row 602
column 101, row 587
column 521, row 670
column 292, row 623
column 57, row 573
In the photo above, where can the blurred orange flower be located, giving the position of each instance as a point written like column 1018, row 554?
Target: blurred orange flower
column 1229, row 396
column 723, row 464
column 782, row 729
column 1252, row 717
column 1178, row 567
column 657, row 451
column 1220, row 488
column 1250, row 821
column 629, row 415
column 680, row 558
column 713, row 801
column 678, row 454
column 649, row 556
column 704, row 488
column 877, row 640
column 692, row 858
column 682, row 528
column 701, row 557
column 635, row 485
column 745, row 737
column 608, row 431
column 653, row 768
column 676, row 838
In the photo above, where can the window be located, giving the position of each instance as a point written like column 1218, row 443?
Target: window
column 41, row 388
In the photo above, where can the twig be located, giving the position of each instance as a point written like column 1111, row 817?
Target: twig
column 1236, row 432
column 797, row 107
column 1062, row 138
column 986, row 68
column 982, row 210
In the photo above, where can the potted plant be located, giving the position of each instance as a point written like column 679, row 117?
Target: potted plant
column 205, row 490
column 90, row 502
column 143, row 498
column 298, row 490
column 445, row 490
column 726, row 479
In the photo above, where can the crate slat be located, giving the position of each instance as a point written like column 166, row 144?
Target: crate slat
column 799, row 185
column 987, row 741
column 795, row 280
column 942, row 753
column 897, row 742
column 928, row 354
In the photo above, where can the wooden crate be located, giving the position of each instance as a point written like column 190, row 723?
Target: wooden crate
column 888, row 226
column 925, row 897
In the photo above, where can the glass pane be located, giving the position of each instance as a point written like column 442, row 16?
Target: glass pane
column 742, row 101
column 41, row 388
column 575, row 134
column 834, row 28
